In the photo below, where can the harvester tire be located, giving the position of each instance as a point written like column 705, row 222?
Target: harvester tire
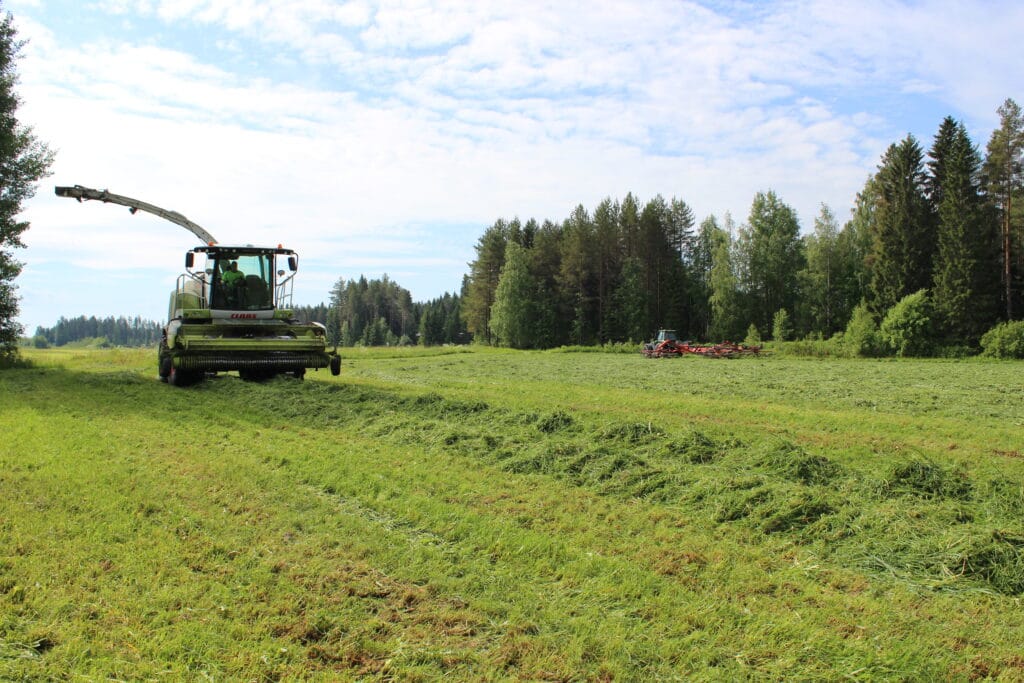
column 181, row 378
column 164, row 367
column 335, row 365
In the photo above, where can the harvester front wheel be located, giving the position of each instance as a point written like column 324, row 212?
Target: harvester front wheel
column 181, row 378
column 335, row 365
column 164, row 364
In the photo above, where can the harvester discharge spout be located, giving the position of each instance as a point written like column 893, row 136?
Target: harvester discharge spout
column 134, row 205
column 232, row 308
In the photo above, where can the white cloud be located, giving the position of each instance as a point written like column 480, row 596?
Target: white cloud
column 375, row 116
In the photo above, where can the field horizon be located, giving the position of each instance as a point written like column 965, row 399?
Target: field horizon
column 483, row 514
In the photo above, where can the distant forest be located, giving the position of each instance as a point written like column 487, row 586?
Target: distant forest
column 114, row 331
column 381, row 313
column 931, row 258
column 361, row 312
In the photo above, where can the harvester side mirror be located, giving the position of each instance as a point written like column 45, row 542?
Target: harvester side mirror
column 280, row 273
column 190, row 259
column 293, row 263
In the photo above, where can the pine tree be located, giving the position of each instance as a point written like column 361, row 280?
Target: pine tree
column 24, row 160
column 484, row 273
column 576, row 278
column 903, row 241
column 629, row 226
column 1003, row 180
column 608, row 264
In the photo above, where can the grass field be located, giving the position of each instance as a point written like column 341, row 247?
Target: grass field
column 488, row 515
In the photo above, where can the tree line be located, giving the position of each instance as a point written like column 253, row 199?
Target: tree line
column 944, row 226
column 932, row 256
column 120, row 331
column 362, row 312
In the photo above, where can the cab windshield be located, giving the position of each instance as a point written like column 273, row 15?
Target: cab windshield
column 243, row 282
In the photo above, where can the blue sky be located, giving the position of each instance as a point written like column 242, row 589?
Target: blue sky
column 384, row 137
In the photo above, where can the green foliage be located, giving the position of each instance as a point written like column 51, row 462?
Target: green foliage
column 861, row 335
column 907, row 328
column 119, row 331
column 813, row 348
column 965, row 291
column 903, row 238
column 723, row 285
column 24, row 160
column 629, row 303
column 782, row 328
column 482, row 281
column 821, row 280
column 514, row 313
column 1005, row 340
column 753, row 337
column 1003, row 181
column 369, row 313
column 770, row 253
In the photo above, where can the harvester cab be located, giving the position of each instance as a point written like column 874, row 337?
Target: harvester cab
column 235, row 283
column 231, row 310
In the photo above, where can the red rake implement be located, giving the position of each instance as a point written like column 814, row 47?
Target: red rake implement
column 668, row 346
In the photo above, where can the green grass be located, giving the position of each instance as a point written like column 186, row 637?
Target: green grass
column 489, row 515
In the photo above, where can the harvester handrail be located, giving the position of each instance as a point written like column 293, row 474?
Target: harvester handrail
column 80, row 193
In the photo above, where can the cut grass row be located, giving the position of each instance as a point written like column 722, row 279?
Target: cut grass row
column 415, row 519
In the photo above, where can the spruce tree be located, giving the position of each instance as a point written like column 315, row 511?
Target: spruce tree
column 942, row 146
column 963, row 295
column 484, row 273
column 629, row 304
column 24, row 160
column 551, row 306
column 903, row 242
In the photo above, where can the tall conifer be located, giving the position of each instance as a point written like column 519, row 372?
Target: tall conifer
column 902, row 246
column 1003, row 180
column 962, row 292
column 23, row 161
